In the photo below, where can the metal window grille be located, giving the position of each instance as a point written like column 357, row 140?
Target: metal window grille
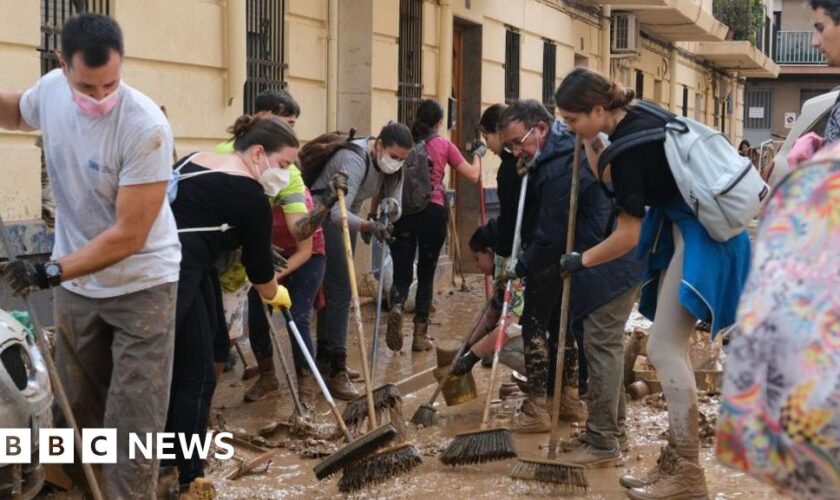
column 410, row 69
column 512, row 43
column 621, row 31
column 640, row 85
column 685, row 101
column 265, row 49
column 758, row 109
column 805, row 94
column 549, row 73
column 53, row 15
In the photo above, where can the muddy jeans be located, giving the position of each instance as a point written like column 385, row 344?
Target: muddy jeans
column 603, row 339
column 333, row 319
column 114, row 357
column 668, row 350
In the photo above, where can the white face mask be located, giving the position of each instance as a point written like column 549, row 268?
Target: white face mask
column 274, row 179
column 389, row 165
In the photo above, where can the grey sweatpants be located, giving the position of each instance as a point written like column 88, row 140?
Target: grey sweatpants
column 668, row 350
column 114, row 357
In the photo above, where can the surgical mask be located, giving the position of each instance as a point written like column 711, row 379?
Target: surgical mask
column 389, row 165
column 91, row 107
column 274, row 179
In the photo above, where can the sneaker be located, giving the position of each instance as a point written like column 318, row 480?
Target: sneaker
column 307, row 390
column 264, row 387
column 533, row 417
column 663, row 463
column 683, row 480
column 590, row 457
column 393, row 333
column 576, row 442
column 341, row 387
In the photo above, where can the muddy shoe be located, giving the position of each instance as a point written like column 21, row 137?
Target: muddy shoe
column 307, row 390
column 572, row 409
column 663, row 464
column 341, row 387
column 200, row 489
column 590, row 457
column 353, row 374
column 533, row 417
column 683, row 480
column 422, row 341
column 264, row 387
column 393, row 335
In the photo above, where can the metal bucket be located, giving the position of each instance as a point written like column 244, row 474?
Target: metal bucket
column 456, row 390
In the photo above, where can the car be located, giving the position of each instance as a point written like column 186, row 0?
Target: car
column 25, row 402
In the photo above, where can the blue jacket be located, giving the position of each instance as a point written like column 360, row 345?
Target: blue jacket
column 551, row 178
column 714, row 273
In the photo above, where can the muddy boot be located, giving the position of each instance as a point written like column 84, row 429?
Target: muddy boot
column 393, row 335
column 307, row 391
column 572, row 409
column 683, row 480
column 167, row 487
column 339, row 382
column 663, row 464
column 266, row 384
column 422, row 341
column 352, row 374
column 590, row 457
column 200, row 489
column 533, row 417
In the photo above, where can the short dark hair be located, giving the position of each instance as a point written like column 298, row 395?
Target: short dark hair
column 277, row 102
column 395, row 133
column 832, row 8
column 484, row 237
column 489, row 122
column 528, row 111
column 94, row 36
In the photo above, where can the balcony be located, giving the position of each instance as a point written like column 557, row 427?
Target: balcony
column 794, row 47
column 674, row 20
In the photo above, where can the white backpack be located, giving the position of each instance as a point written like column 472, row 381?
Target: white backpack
column 721, row 187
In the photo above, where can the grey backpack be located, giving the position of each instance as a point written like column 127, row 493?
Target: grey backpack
column 417, row 179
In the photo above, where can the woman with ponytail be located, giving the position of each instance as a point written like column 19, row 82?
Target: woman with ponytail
column 220, row 203
column 423, row 233
column 689, row 276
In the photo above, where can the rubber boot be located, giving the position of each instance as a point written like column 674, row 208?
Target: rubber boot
column 422, row 341
column 307, row 391
column 532, row 418
column 683, row 480
column 393, row 334
column 266, row 384
column 339, row 382
column 663, row 464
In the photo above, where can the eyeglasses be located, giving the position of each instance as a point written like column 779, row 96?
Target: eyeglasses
column 518, row 144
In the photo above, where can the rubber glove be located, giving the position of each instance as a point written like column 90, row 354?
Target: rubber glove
column 281, row 299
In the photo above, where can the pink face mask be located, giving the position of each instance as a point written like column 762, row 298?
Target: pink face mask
column 92, row 108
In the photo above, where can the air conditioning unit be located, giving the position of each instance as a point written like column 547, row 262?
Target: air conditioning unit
column 624, row 33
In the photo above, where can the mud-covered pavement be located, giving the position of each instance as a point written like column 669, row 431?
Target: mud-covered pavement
column 290, row 476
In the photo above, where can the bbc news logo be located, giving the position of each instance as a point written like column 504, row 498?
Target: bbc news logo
column 99, row 446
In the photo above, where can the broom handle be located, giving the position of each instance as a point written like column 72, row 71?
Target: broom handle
column 290, row 322
column 500, row 329
column 286, row 373
column 57, row 386
column 357, row 309
column 379, row 287
column 564, row 305
column 456, row 244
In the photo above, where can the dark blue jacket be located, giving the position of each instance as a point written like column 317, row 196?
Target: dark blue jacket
column 551, row 177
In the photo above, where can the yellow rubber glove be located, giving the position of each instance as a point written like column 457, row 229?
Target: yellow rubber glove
column 281, row 299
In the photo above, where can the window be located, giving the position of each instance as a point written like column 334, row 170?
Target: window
column 758, row 109
column 640, row 85
column 410, row 69
column 512, row 42
column 699, row 104
column 53, row 15
column 685, row 101
column 549, row 73
column 265, row 48
column 805, row 94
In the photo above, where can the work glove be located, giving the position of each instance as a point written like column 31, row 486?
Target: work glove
column 506, row 273
column 382, row 232
column 571, row 262
column 277, row 258
column 24, row 276
column 478, row 149
column 338, row 182
column 281, row 299
column 464, row 364
column 522, row 167
column 366, row 237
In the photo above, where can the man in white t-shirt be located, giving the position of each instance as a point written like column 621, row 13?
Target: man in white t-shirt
column 116, row 257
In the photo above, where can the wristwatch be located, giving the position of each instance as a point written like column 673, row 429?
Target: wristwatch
column 52, row 270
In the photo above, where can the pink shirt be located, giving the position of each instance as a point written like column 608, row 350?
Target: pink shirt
column 442, row 152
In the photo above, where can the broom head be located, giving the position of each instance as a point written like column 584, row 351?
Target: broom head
column 426, row 416
column 384, row 465
column 478, row 447
column 569, row 477
column 356, row 451
column 384, row 398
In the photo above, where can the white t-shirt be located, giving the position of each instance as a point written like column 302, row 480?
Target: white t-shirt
column 88, row 160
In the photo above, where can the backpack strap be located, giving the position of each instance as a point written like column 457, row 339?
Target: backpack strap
column 633, row 140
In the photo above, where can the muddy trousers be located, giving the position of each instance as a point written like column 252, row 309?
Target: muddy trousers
column 333, row 319
column 421, row 234
column 668, row 350
column 603, row 339
column 114, row 357
column 303, row 285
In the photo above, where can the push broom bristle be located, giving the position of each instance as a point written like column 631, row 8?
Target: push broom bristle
column 384, row 398
column 479, row 447
column 355, row 451
column 570, row 477
column 426, row 416
column 380, row 467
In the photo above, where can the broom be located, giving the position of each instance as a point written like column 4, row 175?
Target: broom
column 487, row 445
column 395, row 460
column 387, row 396
column 55, row 381
column 355, row 450
column 568, row 476
column 426, row 414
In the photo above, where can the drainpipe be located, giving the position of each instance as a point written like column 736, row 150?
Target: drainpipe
column 672, row 88
column 332, row 65
column 444, row 69
column 606, row 12
column 734, row 87
column 236, row 52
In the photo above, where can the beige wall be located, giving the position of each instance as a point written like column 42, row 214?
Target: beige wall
column 797, row 16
